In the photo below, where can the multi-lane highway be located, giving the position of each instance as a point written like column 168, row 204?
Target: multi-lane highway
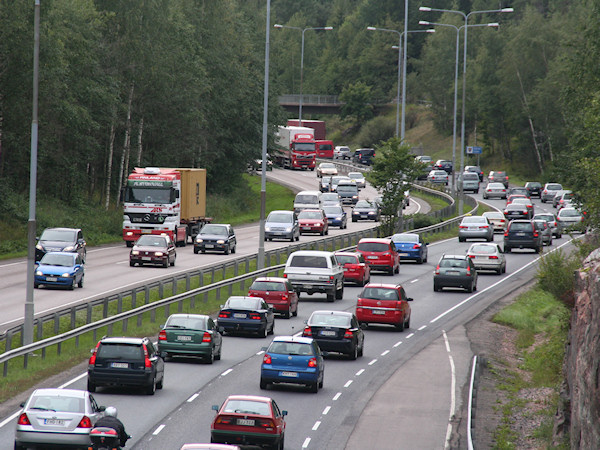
column 181, row 412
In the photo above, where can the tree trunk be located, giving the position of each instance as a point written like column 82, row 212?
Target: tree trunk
column 140, row 132
column 123, row 169
column 111, row 147
column 530, row 120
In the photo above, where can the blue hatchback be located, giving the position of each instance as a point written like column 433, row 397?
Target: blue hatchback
column 410, row 246
column 59, row 269
column 293, row 360
column 336, row 216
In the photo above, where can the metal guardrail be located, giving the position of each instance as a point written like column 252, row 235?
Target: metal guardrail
column 345, row 241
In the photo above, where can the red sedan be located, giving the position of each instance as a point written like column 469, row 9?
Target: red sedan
column 278, row 293
column 380, row 254
column 385, row 304
column 356, row 269
column 249, row 420
column 313, row 221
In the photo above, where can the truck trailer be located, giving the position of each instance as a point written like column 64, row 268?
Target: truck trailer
column 296, row 148
column 317, row 125
column 164, row 201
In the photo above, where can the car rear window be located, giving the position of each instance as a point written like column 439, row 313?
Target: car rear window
column 405, row 238
column 332, row 320
column 520, row 226
column 307, row 199
column 268, row 286
column 569, row 213
column 487, row 249
column 346, row 259
column 373, row 247
column 291, row 348
column 129, row 352
column 57, row 403
column 374, row 293
column 192, row 323
column 248, row 407
column 318, row 262
column 471, row 176
column 346, row 188
column 460, row 263
column 243, row 302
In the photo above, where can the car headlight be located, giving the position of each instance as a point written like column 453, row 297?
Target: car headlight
column 220, row 241
column 66, row 275
column 158, row 253
column 135, row 252
column 267, row 228
column 39, row 273
column 69, row 248
column 199, row 240
column 338, row 218
column 39, row 247
column 371, row 212
column 288, row 229
column 355, row 197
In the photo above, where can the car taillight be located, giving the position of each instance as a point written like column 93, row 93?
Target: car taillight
column 331, row 278
column 506, row 233
column 265, row 423
column 468, row 271
column 267, row 359
column 93, row 357
column 471, row 256
column 485, row 226
column 147, row 362
column 312, row 362
column 254, row 316
column 285, row 275
column 307, row 332
column 224, row 420
column 437, row 270
column 207, row 337
column 24, row 420
column 535, row 234
column 416, row 246
column 162, row 336
column 224, row 314
column 386, row 254
column 348, row 334
column 493, row 257
column 462, row 226
column 85, row 422
column 104, row 431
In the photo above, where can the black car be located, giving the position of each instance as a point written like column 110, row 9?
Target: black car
column 522, row 234
column 475, row 169
column 365, row 210
column 444, row 164
column 336, row 331
column 218, row 237
column 246, row 314
column 325, row 184
column 516, row 211
column 364, row 156
column 128, row 362
column 61, row 240
column 455, row 271
column 534, row 188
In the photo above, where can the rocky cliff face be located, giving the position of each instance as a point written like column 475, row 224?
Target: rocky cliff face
column 580, row 415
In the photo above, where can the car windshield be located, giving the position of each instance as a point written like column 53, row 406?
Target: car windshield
column 243, row 302
column 406, row 237
column 456, row 263
column 152, row 241
column 347, row 259
column 327, row 166
column 482, row 248
column 52, row 259
column 214, row 229
column 57, row 403
column 291, row 348
column 268, row 286
column 375, row 293
column 247, row 407
column 318, row 262
column 191, row 323
column 279, row 218
column 363, row 204
column 329, row 320
column 373, row 247
column 58, row 235
column 310, row 215
column 130, row 352
column 333, row 210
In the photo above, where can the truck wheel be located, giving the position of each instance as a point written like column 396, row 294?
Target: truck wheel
column 331, row 296
column 129, row 243
column 339, row 294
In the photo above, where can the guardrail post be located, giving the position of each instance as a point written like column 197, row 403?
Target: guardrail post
column 247, row 264
column 73, row 317
column 25, row 359
column 161, row 288
column 8, row 340
column 56, row 322
column 124, row 327
column 119, row 303
column 174, row 286
column 187, row 281
column 219, row 294
column 109, row 329
column 105, row 307
column 133, row 298
column 224, row 271
column 201, row 279
column 59, row 348
column 212, row 274
column 88, row 313
column 146, row 294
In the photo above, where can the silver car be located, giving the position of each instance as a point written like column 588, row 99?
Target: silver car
column 487, row 257
column 358, row 178
column 544, row 229
column 282, row 225
column 571, row 219
column 57, row 417
column 475, row 227
column 495, row 190
column 549, row 191
column 552, row 223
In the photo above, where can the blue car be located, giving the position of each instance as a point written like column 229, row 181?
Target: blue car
column 336, row 216
column 59, row 269
column 293, row 360
column 246, row 314
column 410, row 246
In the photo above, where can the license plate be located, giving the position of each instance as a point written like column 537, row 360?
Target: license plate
column 452, row 272
column 307, row 286
column 54, row 422
column 473, row 228
column 146, row 258
column 289, row 374
column 208, row 246
column 372, row 257
column 184, row 338
column 520, row 234
column 379, row 312
column 306, row 228
column 146, row 231
column 327, row 333
column 403, row 254
column 239, row 315
column 119, row 365
column 246, row 422
column 51, row 279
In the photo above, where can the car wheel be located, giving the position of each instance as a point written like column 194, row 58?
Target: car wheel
column 339, row 294
column 264, row 332
column 131, row 264
column 288, row 313
column 361, row 349
column 407, row 324
column 196, row 250
column 507, row 249
column 91, row 387
column 281, row 443
column 461, row 239
column 263, row 384
column 436, row 288
column 226, row 251
column 166, row 263
column 129, row 243
column 234, row 248
column 397, row 269
column 331, row 296
column 159, row 385
column 298, row 237
column 295, row 313
column 173, row 262
column 21, row 447
column 314, row 388
column 292, row 238
column 72, row 286
column 538, row 249
column 218, row 355
column 470, row 288
column 203, row 251
column 400, row 326
column 354, row 220
column 272, row 328
column 322, row 233
column 353, row 353
column 419, row 260
column 211, row 356
column 36, row 285
column 80, row 284
column 151, row 388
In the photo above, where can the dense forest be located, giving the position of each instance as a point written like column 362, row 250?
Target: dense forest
column 180, row 83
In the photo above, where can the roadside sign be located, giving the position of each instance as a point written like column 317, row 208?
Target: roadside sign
column 474, row 150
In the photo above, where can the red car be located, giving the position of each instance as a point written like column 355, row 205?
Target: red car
column 384, row 304
column 356, row 269
column 380, row 254
column 278, row 293
column 313, row 221
column 249, row 420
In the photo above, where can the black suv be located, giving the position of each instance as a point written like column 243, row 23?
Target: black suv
column 364, row 156
column 444, row 164
column 126, row 361
column 522, row 234
column 215, row 237
column 534, row 188
column 61, row 240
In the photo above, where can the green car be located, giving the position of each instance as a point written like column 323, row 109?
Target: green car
column 190, row 335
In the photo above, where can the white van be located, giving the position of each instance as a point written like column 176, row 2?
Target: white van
column 307, row 200
column 469, row 181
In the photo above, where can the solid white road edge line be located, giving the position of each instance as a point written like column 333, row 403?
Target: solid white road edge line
column 452, row 391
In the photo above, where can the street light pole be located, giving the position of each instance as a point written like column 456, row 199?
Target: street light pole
column 464, row 81
column 401, row 60
column 301, row 61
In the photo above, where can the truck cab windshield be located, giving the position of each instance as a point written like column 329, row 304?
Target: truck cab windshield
column 145, row 195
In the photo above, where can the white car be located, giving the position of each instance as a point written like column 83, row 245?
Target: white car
column 487, row 257
column 342, row 152
column 358, row 178
column 438, row 177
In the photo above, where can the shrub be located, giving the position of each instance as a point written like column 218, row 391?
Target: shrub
column 555, row 275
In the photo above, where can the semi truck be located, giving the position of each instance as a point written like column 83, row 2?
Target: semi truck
column 317, row 125
column 164, row 201
column 296, row 148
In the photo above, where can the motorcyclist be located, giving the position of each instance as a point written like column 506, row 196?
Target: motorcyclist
column 110, row 421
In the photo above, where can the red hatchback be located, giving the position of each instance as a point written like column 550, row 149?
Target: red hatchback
column 249, row 419
column 380, row 254
column 385, row 304
column 313, row 221
column 356, row 269
column 278, row 293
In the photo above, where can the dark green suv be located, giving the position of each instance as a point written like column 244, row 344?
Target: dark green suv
column 522, row 234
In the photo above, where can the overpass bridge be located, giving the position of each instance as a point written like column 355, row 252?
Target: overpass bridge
column 320, row 104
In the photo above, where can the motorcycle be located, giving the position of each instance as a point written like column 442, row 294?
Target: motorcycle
column 104, row 438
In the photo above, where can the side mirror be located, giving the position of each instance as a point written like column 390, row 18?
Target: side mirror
column 101, row 408
column 284, row 413
column 264, row 349
column 215, row 408
column 363, row 326
column 409, row 299
column 22, row 404
column 163, row 355
column 162, row 326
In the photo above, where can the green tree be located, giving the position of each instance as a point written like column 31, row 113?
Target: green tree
column 356, row 99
